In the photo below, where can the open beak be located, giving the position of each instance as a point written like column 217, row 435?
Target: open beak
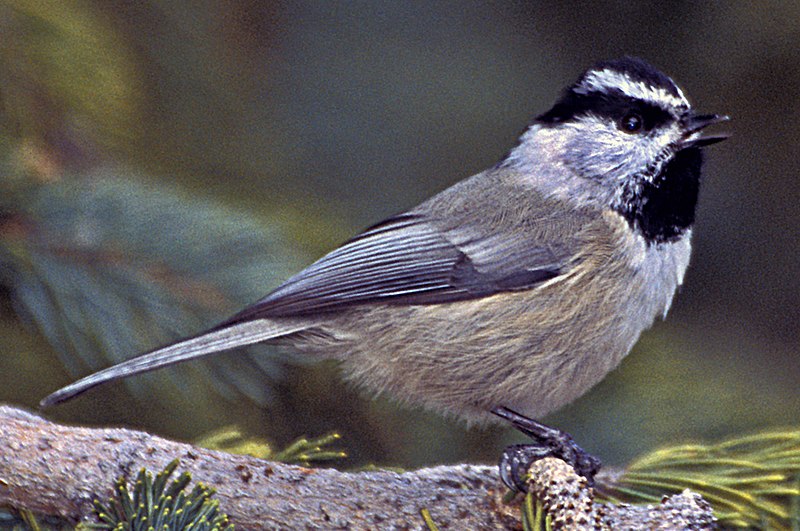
column 694, row 123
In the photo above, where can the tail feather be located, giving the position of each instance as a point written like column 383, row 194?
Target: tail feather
column 216, row 340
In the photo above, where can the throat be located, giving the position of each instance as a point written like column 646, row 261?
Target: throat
column 663, row 209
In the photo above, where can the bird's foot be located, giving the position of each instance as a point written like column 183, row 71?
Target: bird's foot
column 548, row 442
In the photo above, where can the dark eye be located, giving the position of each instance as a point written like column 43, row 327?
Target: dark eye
column 631, row 122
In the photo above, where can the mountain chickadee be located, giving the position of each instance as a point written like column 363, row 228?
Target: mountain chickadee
column 515, row 290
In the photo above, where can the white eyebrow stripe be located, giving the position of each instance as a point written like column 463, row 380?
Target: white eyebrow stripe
column 598, row 81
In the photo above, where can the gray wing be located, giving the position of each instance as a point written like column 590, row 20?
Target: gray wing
column 408, row 260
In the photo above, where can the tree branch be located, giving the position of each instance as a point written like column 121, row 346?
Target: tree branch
column 58, row 470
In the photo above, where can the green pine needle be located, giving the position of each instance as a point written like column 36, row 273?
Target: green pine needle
column 534, row 517
column 230, row 439
column 306, row 451
column 751, row 481
column 429, row 523
column 158, row 505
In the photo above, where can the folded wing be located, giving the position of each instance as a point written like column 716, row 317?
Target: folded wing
column 408, row 260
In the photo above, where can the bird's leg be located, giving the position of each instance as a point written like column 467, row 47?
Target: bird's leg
column 548, row 442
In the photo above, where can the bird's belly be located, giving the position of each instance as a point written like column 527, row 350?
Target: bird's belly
column 534, row 351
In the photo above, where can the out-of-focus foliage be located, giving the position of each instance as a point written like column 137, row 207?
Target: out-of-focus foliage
column 231, row 439
column 67, row 99
column 302, row 451
column 309, row 451
column 106, row 266
column 102, row 262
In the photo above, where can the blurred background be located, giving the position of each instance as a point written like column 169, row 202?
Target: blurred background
column 163, row 164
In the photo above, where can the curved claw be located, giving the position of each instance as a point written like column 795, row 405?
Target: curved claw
column 515, row 463
column 548, row 442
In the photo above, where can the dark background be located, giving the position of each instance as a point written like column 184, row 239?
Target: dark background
column 318, row 119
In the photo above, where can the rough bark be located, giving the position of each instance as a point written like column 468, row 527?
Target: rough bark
column 58, row 470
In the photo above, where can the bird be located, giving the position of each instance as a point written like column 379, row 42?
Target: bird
column 513, row 292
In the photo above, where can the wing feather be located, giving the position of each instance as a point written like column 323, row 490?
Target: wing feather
column 407, row 259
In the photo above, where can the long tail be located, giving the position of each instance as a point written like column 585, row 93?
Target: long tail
column 215, row 340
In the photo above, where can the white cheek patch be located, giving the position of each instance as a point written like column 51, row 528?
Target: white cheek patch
column 610, row 149
column 613, row 156
column 605, row 80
